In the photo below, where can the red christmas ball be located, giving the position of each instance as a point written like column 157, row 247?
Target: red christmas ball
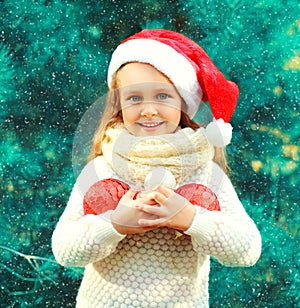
column 104, row 195
column 199, row 195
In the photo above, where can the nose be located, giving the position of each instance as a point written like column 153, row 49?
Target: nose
column 149, row 110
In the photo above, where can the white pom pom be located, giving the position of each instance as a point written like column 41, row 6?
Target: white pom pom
column 219, row 133
column 159, row 176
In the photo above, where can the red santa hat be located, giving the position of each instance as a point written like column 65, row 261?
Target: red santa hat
column 191, row 71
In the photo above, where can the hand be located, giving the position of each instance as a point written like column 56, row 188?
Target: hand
column 172, row 210
column 126, row 216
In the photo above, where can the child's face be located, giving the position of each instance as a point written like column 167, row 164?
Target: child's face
column 150, row 103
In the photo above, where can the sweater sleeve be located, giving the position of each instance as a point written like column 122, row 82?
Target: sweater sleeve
column 229, row 235
column 80, row 239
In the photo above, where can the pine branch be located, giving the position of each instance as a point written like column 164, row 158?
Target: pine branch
column 33, row 262
column 27, row 257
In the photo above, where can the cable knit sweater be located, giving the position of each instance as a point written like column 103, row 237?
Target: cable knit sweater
column 157, row 268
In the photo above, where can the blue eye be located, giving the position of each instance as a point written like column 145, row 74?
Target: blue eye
column 162, row 96
column 135, row 99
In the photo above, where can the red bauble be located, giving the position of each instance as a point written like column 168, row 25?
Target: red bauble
column 103, row 196
column 199, row 195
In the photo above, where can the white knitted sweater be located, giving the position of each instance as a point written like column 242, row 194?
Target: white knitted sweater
column 156, row 268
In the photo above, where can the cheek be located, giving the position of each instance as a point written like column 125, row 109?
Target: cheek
column 173, row 115
column 130, row 115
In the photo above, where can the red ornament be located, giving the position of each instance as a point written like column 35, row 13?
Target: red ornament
column 106, row 194
column 199, row 195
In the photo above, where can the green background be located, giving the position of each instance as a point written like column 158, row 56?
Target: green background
column 53, row 64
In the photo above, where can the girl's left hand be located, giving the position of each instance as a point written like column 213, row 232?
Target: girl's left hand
column 173, row 210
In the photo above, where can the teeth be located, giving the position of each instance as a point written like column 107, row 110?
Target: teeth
column 150, row 125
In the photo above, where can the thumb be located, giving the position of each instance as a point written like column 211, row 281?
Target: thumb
column 131, row 194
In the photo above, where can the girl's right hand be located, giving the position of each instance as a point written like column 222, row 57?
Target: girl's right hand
column 126, row 216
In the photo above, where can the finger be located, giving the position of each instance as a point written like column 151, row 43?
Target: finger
column 166, row 191
column 162, row 189
column 146, row 200
column 150, row 222
column 150, row 209
column 173, row 197
column 129, row 195
column 157, row 197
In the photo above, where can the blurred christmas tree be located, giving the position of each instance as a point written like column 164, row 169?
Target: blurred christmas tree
column 53, row 61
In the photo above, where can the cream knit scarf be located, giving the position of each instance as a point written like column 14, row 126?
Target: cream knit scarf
column 133, row 157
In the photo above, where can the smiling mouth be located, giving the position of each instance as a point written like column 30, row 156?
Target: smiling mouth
column 151, row 125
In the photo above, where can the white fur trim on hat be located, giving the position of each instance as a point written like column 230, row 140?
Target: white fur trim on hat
column 219, row 133
column 165, row 59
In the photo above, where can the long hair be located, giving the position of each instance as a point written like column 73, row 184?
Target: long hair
column 112, row 115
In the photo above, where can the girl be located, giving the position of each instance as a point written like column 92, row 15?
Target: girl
column 152, row 248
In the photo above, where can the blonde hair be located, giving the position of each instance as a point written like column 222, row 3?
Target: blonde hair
column 112, row 115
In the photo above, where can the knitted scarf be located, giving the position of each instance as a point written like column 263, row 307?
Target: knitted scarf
column 131, row 157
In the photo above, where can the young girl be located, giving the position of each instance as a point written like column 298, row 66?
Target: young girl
column 152, row 248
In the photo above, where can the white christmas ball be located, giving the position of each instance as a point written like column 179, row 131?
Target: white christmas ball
column 159, row 176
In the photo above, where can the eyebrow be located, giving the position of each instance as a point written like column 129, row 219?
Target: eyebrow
column 164, row 89
column 132, row 89
column 130, row 92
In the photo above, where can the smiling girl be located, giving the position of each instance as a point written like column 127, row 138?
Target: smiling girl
column 153, row 247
